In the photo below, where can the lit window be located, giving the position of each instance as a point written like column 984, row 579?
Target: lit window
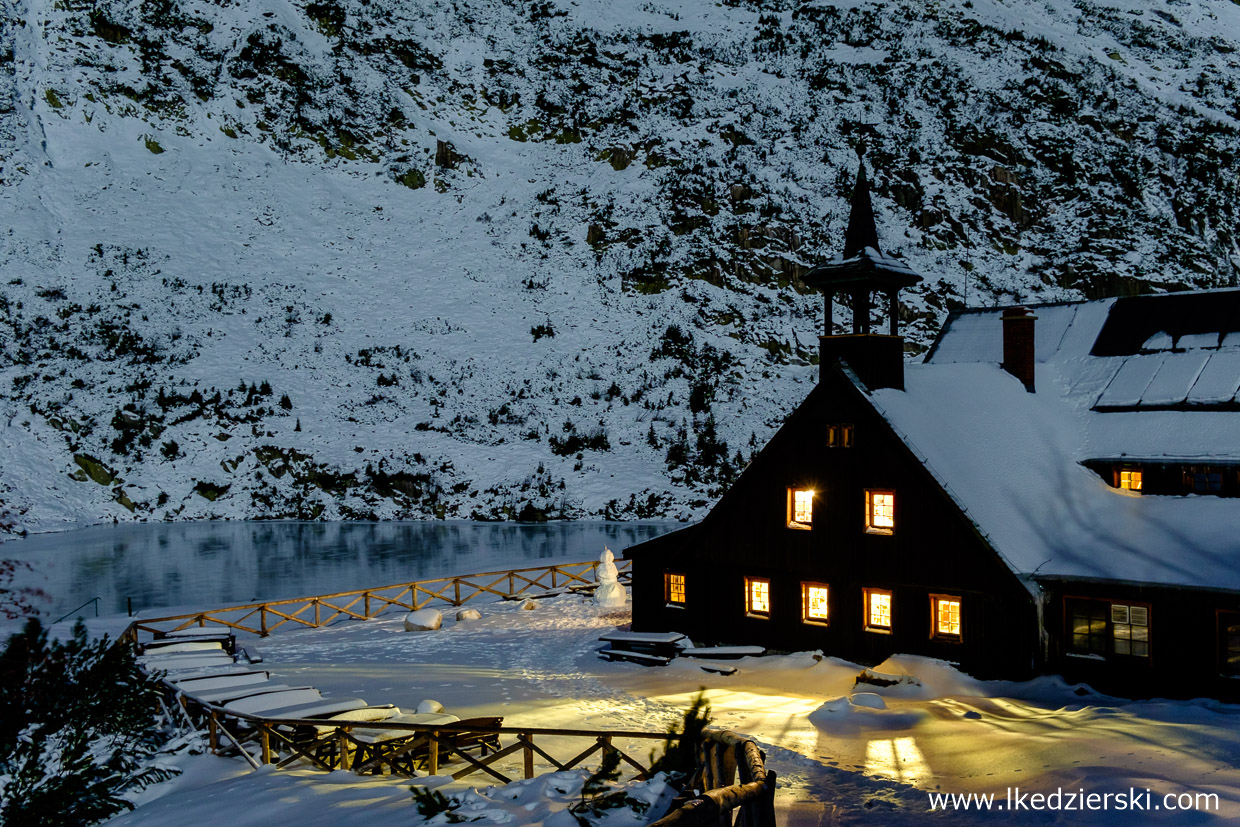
column 878, row 610
column 833, row 436
column 1130, row 630
column 814, row 603
column 1130, row 479
column 880, row 511
column 800, row 508
column 846, row 435
column 946, row 611
column 757, row 597
column 675, row 584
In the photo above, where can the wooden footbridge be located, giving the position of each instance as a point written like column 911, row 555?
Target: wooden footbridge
column 349, row 734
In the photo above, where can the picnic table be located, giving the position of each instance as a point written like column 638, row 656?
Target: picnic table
column 646, row 648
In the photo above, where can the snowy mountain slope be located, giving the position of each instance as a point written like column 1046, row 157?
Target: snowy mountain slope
column 508, row 259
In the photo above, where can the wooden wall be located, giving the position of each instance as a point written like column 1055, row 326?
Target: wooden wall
column 934, row 549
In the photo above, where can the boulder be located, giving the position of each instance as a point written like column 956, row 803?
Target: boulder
column 429, row 707
column 423, row 620
column 469, row 614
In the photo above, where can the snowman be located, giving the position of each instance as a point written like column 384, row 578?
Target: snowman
column 609, row 594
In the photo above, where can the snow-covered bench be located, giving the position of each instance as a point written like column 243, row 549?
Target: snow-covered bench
column 647, row 648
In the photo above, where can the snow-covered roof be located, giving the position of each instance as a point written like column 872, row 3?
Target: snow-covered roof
column 875, row 257
column 1012, row 459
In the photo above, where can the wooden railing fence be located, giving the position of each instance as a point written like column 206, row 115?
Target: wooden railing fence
column 363, row 604
column 407, row 749
column 722, row 755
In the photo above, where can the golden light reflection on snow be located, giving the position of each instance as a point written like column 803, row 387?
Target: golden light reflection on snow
column 898, row 759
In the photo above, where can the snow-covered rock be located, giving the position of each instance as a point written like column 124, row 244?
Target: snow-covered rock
column 429, row 707
column 867, row 699
column 468, row 614
column 529, row 606
column 423, row 620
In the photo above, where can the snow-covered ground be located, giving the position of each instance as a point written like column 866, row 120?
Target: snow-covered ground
column 837, row 762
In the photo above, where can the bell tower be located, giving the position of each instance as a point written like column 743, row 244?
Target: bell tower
column 862, row 272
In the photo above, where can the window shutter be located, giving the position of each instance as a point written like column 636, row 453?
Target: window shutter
column 1119, row 613
column 1140, row 615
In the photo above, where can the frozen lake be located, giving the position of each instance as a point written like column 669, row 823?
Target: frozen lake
column 206, row 564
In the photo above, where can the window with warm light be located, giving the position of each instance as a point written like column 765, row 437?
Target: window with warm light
column 846, row 435
column 833, row 436
column 880, row 512
column 814, row 603
column 674, row 586
column 757, row 597
column 800, row 508
column 945, row 616
column 1130, row 479
column 877, row 610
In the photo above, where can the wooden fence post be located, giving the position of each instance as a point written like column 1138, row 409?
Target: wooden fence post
column 342, row 744
column 264, row 739
column 213, row 737
column 316, row 613
column 366, row 605
column 529, row 754
column 433, row 766
column 262, row 619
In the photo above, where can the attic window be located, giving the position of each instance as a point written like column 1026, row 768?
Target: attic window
column 945, row 617
column 877, row 610
column 800, row 508
column 880, row 512
column 814, row 603
column 1205, row 480
column 1129, row 479
column 674, row 586
column 839, row 436
column 757, row 597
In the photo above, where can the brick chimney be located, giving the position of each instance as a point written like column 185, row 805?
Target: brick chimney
column 1018, row 354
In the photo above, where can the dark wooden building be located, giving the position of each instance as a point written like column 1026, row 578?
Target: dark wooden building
column 1052, row 489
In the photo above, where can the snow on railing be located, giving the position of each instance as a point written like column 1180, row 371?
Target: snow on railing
column 723, row 755
column 363, row 604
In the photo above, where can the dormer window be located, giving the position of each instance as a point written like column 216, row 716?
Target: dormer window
column 1128, row 479
column 800, row 508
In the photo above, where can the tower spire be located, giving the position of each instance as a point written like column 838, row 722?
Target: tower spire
column 861, row 232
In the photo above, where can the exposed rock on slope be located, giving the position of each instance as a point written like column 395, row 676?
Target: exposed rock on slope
column 513, row 260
